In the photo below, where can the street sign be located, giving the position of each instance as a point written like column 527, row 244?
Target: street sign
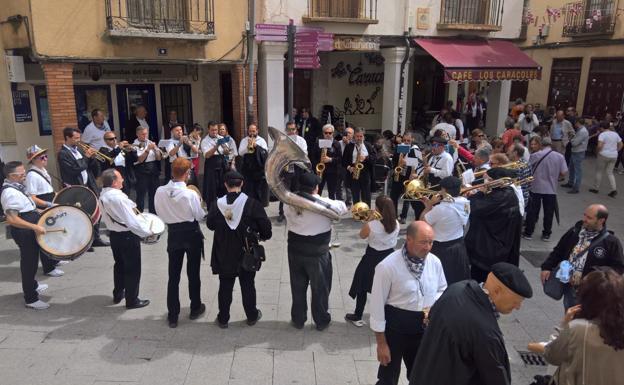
column 309, row 29
column 271, row 38
column 307, row 66
column 310, row 60
column 306, row 45
column 272, row 29
column 306, row 52
column 306, row 36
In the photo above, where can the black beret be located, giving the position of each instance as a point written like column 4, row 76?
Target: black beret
column 513, row 278
column 232, row 176
column 499, row 172
column 308, row 180
column 450, row 183
column 439, row 139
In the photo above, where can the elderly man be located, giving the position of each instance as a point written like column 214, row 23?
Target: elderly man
column 587, row 245
column 332, row 160
column 560, row 130
column 579, row 146
column 94, row 132
column 406, row 284
column 463, row 344
column 343, row 178
column 139, row 119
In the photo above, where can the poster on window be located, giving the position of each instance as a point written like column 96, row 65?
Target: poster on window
column 21, row 106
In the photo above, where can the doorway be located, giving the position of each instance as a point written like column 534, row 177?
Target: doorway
column 129, row 97
column 227, row 108
column 176, row 97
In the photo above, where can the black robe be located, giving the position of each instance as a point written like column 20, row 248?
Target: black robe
column 227, row 244
column 495, row 225
column 463, row 344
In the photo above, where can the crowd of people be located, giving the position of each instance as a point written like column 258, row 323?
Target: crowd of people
column 475, row 200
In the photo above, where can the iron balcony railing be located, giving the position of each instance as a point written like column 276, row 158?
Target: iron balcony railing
column 484, row 15
column 591, row 17
column 189, row 17
column 343, row 9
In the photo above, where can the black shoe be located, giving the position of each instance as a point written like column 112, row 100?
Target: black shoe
column 196, row 313
column 320, row 328
column 252, row 323
column 173, row 323
column 573, row 191
column 296, row 325
column 527, row 236
column 138, row 304
column 567, row 185
column 612, row 194
column 280, row 218
column 100, row 243
column 91, row 249
column 546, row 238
column 221, row 325
column 118, row 298
column 593, row 190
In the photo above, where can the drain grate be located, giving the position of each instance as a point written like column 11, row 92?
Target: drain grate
column 534, row 359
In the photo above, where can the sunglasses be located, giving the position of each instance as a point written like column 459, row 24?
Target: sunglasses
column 113, row 138
column 43, row 157
column 328, row 132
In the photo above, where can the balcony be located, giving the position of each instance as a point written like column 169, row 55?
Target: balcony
column 471, row 15
column 342, row 11
column 168, row 19
column 590, row 18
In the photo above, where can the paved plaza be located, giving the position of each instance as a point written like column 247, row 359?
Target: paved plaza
column 84, row 339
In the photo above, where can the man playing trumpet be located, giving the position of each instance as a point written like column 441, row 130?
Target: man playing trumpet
column 180, row 146
column 123, row 154
column 254, row 150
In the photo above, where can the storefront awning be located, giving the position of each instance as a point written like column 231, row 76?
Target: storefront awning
column 474, row 60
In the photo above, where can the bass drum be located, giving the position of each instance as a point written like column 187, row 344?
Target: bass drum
column 69, row 232
column 156, row 226
column 81, row 197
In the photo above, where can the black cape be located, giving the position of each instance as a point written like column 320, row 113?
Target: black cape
column 462, row 344
column 495, row 225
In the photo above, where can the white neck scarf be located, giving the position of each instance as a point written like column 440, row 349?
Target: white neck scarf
column 232, row 212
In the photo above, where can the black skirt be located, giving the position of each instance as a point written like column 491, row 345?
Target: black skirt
column 454, row 259
column 365, row 271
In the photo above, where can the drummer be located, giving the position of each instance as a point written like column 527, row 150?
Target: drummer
column 126, row 232
column 21, row 214
column 39, row 186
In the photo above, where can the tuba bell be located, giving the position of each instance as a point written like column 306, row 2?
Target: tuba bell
column 361, row 212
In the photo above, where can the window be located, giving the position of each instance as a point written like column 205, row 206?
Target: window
column 88, row 98
column 564, row 82
column 43, row 112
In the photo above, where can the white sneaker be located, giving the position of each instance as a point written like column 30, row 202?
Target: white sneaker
column 62, row 263
column 56, row 273
column 335, row 244
column 38, row 305
column 42, row 287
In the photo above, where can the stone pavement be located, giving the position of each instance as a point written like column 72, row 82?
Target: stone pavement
column 84, row 339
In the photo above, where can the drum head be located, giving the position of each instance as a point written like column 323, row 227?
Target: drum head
column 69, row 232
column 79, row 196
column 155, row 224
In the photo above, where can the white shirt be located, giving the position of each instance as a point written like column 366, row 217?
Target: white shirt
column 77, row 155
column 530, row 125
column 610, row 140
column 36, row 184
column 181, row 152
column 233, row 150
column 143, row 123
column 117, row 207
column 520, row 196
column 208, row 143
column 378, row 239
column 441, row 165
column 13, row 199
column 94, row 136
column 309, row 223
column 175, row 203
column 260, row 142
column 448, row 219
column 363, row 152
column 120, row 159
column 151, row 157
column 450, row 130
column 300, row 142
column 460, row 126
column 394, row 285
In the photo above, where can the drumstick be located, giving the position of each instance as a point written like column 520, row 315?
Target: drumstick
column 151, row 225
column 56, row 230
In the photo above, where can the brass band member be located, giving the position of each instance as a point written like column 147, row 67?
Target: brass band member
column 195, row 137
column 292, row 173
column 254, row 150
column 214, row 165
column 22, row 215
column 331, row 161
column 39, row 185
column 382, row 239
column 397, row 187
column 362, row 153
column 146, row 169
column 125, row 234
column 180, row 208
column 440, row 163
column 124, row 155
column 181, row 147
column 229, row 150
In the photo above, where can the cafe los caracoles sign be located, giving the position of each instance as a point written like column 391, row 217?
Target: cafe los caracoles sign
column 462, row 75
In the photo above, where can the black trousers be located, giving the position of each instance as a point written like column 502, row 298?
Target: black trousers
column 47, row 263
column 257, row 189
column 29, row 261
column 126, row 248
column 146, row 184
column 212, row 183
column 478, row 274
column 246, row 280
column 331, row 180
column 291, row 179
column 361, row 188
column 342, row 182
column 180, row 243
column 317, row 273
column 402, row 347
column 535, row 203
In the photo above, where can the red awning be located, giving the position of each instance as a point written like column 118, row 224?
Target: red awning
column 473, row 60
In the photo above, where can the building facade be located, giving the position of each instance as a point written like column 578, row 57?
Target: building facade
column 67, row 57
column 580, row 47
column 390, row 59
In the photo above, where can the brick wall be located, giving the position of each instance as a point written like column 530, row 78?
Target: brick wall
column 61, row 100
column 239, row 98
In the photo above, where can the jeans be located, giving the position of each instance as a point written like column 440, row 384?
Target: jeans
column 569, row 296
column 576, row 169
column 604, row 164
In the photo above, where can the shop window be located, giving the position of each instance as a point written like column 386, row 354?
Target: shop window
column 88, row 98
column 43, row 112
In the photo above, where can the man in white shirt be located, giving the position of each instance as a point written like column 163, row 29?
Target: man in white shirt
column 440, row 163
column 405, row 286
column 252, row 166
column 181, row 147
column 123, row 155
column 528, row 120
column 214, row 165
column 126, row 232
column 146, row 169
column 228, row 149
column 180, row 208
column 93, row 134
column 22, row 217
column 291, row 175
column 309, row 259
column 446, row 126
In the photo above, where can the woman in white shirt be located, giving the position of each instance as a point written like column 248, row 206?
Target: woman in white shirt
column 382, row 239
column 609, row 143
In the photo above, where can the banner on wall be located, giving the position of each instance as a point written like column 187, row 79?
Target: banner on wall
column 21, row 106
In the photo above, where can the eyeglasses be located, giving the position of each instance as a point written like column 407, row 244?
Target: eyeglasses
column 42, row 157
column 113, row 138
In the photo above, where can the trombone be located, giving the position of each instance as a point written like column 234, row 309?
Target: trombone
column 98, row 155
column 487, row 187
column 361, row 212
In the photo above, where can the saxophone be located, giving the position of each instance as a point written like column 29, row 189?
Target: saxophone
column 320, row 166
column 398, row 169
column 358, row 167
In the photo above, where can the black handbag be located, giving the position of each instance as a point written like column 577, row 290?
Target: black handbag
column 553, row 287
column 253, row 257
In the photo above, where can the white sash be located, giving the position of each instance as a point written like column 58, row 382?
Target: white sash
column 232, row 212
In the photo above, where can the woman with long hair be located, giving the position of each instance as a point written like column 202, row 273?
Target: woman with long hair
column 590, row 346
column 382, row 239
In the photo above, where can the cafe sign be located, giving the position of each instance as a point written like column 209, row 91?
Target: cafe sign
column 463, row 75
column 356, row 43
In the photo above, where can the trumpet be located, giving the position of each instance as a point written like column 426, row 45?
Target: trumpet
column 496, row 183
column 98, row 155
column 251, row 145
column 511, row 165
column 320, row 166
column 398, row 169
column 361, row 212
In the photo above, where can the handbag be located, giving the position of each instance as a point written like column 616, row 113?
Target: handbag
column 253, row 256
column 553, row 287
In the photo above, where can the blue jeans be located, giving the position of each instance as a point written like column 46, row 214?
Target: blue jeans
column 569, row 296
column 576, row 169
